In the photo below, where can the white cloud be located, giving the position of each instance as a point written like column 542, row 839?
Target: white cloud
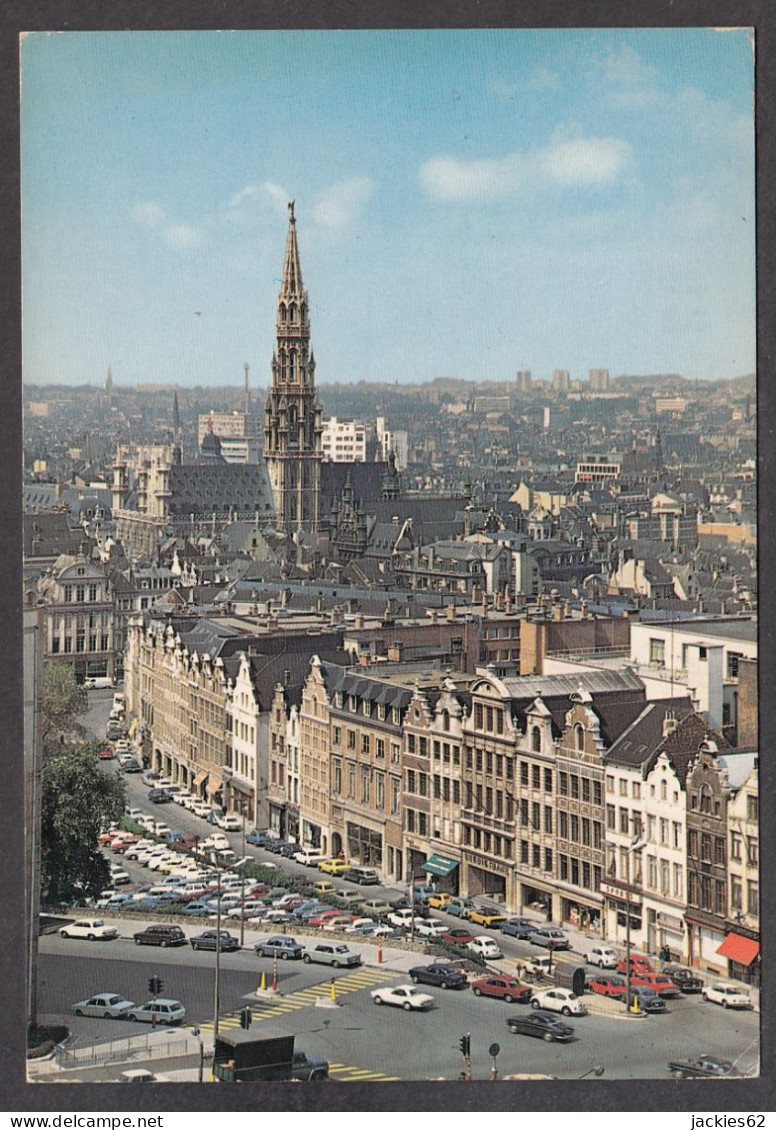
column 343, row 202
column 150, row 214
column 182, row 236
column 581, row 162
column 627, row 67
column 585, row 162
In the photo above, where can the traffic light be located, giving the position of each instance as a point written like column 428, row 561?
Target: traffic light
column 465, row 1044
column 246, row 1018
column 155, row 986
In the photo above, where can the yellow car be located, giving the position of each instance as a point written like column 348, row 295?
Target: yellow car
column 487, row 917
column 439, row 900
column 332, row 866
column 324, row 888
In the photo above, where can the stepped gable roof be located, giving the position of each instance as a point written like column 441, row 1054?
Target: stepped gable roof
column 640, row 739
column 291, row 668
column 681, row 745
column 342, row 681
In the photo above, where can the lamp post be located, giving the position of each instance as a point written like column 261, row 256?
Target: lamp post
column 217, row 980
column 637, row 844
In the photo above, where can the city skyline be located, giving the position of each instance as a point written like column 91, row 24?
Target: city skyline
column 531, row 200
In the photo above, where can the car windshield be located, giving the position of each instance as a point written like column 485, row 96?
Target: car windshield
column 340, row 949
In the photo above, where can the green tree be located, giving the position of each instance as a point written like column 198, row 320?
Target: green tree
column 62, row 702
column 79, row 801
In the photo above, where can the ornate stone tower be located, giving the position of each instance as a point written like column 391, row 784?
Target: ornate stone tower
column 292, row 425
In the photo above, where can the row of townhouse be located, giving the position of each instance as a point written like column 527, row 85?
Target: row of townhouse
column 532, row 792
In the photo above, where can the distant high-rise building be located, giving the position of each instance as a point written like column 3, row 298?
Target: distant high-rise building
column 524, row 380
column 345, row 441
column 238, row 433
column 292, row 423
column 561, row 380
column 599, row 380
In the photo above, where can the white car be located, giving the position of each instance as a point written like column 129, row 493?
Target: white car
column 309, row 857
column 559, row 1000
column 403, row 996
column 404, row 917
column 199, row 808
column 230, row 823
column 431, row 928
column 602, row 956
column 119, row 876
column 729, row 996
column 93, row 929
column 110, row 1006
column 160, row 1011
column 484, row 946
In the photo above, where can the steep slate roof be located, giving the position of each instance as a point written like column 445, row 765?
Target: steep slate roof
column 618, row 697
column 639, row 740
column 681, row 745
column 49, row 535
column 218, row 487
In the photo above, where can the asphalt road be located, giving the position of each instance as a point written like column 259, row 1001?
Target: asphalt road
column 410, row 1046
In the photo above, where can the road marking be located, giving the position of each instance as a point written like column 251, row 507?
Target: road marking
column 304, row 998
column 345, row 1074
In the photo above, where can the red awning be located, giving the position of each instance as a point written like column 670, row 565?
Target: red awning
column 739, row 949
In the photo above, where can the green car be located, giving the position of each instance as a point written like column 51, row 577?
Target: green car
column 331, row 953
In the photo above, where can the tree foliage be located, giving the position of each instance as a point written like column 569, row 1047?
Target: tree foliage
column 62, row 702
column 79, row 801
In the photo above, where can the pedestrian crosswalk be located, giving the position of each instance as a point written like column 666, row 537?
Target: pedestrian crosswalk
column 342, row 1073
column 363, row 978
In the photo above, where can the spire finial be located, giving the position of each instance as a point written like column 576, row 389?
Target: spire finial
column 291, row 216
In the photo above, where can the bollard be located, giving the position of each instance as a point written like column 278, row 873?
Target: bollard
column 333, row 990
column 263, row 982
column 379, row 955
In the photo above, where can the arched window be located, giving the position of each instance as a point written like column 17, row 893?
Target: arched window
column 579, row 737
column 282, row 312
column 292, row 365
column 536, row 739
column 292, row 312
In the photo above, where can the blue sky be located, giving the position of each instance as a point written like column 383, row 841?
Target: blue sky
column 469, row 203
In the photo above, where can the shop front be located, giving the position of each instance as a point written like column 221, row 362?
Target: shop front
column 743, row 957
column 442, row 873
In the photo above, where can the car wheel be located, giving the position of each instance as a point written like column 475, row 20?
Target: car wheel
column 600, row 964
column 406, row 1006
column 547, row 1037
column 477, row 992
column 194, row 947
column 107, row 1015
column 164, row 945
column 445, row 985
column 534, row 1003
column 513, row 1028
column 566, row 1010
column 91, row 937
column 63, row 934
column 307, row 959
column 415, row 979
column 508, row 998
column 132, row 1016
column 724, row 1004
column 335, row 964
column 79, row 1011
column 377, row 1000
column 284, row 957
column 138, row 942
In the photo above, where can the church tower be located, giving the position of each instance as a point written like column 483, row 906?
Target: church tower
column 292, row 419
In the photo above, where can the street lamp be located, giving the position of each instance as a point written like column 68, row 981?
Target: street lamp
column 217, row 982
column 637, row 844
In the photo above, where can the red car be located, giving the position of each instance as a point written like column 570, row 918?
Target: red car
column 120, row 846
column 663, row 985
column 638, row 964
column 458, row 937
column 608, row 986
column 507, row 988
column 322, row 918
column 106, row 754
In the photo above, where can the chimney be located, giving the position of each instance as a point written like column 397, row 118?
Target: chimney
column 557, row 612
column 484, row 604
column 669, row 723
column 433, row 615
column 358, row 622
column 507, row 602
column 450, row 610
column 395, row 651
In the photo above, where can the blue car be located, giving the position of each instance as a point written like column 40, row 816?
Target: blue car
column 281, row 946
column 257, row 838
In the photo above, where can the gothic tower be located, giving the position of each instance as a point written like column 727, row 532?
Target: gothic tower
column 292, row 423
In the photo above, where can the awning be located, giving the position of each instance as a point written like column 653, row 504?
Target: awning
column 200, row 777
column 438, row 865
column 739, row 949
column 214, row 783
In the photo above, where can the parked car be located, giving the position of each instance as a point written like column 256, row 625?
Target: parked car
column 729, row 996
column 163, row 935
column 106, row 754
column 364, row 876
column 518, row 928
column 333, row 866
column 440, row 973
column 488, row 917
column 559, row 1000
column 485, row 947
column 110, row 1006
column 602, row 956
column 458, row 936
column 439, row 899
column 550, row 938
column 662, row 984
column 323, row 917
column 331, row 953
column 93, row 929
column 404, row 918
column 543, row 1025
column 374, row 906
column 280, row 945
column 230, row 823
column 159, row 796
column 703, row 1067
column 607, row 986
column 403, row 996
column 338, row 922
column 325, row 887
column 257, row 838
column 161, row 1011
column 430, row 928
column 507, row 988
column 208, row 940
column 685, row 978
column 648, row 999
column 309, row 857
column 637, row 962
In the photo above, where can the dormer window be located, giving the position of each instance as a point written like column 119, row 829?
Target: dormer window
column 579, row 738
column 536, row 739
